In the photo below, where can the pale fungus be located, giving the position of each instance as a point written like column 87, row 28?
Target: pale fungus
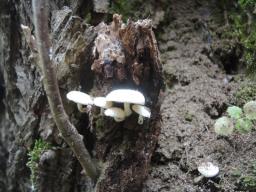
column 102, row 103
column 81, row 99
column 115, row 112
column 24, row 27
column 142, row 111
column 126, row 96
column 208, row 169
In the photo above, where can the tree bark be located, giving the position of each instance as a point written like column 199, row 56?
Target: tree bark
column 122, row 149
column 65, row 127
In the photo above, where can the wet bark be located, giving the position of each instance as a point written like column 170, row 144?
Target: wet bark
column 122, row 150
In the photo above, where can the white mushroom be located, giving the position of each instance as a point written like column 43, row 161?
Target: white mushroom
column 207, row 169
column 115, row 112
column 126, row 96
column 80, row 98
column 142, row 111
column 102, row 103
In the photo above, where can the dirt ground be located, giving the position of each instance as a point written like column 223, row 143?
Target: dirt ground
column 202, row 75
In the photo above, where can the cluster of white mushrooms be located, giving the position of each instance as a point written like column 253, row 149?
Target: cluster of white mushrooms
column 126, row 96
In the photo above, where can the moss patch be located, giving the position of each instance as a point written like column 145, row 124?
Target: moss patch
column 245, row 93
column 247, row 181
column 243, row 28
column 34, row 157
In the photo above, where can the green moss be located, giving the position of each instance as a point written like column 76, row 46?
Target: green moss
column 246, row 3
column 244, row 30
column 122, row 7
column 245, row 93
column 248, row 181
column 99, row 123
column 236, row 173
column 246, row 177
column 34, row 157
column 188, row 116
column 88, row 18
column 135, row 9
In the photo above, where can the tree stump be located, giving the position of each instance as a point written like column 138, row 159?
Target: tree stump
column 123, row 150
column 131, row 62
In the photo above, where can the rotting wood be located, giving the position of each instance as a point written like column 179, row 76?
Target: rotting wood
column 126, row 57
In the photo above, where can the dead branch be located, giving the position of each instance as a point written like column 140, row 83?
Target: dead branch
column 67, row 130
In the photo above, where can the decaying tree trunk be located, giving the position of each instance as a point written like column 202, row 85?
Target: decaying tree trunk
column 126, row 147
column 122, row 150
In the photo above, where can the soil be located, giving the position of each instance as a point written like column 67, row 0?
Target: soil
column 202, row 73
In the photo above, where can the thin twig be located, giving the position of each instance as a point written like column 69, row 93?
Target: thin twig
column 67, row 130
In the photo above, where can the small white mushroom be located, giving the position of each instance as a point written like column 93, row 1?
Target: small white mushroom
column 115, row 112
column 142, row 111
column 102, row 103
column 24, row 27
column 207, row 169
column 126, row 96
column 81, row 99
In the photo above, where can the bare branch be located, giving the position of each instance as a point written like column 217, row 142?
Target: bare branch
column 67, row 130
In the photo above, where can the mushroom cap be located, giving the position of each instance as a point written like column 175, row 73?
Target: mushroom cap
column 102, row 102
column 24, row 27
column 116, row 113
column 207, row 169
column 126, row 96
column 80, row 98
column 142, row 110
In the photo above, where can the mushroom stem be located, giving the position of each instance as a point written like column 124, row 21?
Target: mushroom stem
column 101, row 111
column 117, row 119
column 140, row 120
column 198, row 179
column 127, row 109
column 115, row 112
column 81, row 108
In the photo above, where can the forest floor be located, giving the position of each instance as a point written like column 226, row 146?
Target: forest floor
column 203, row 76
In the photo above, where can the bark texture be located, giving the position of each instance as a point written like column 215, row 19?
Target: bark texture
column 67, row 130
column 124, row 149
